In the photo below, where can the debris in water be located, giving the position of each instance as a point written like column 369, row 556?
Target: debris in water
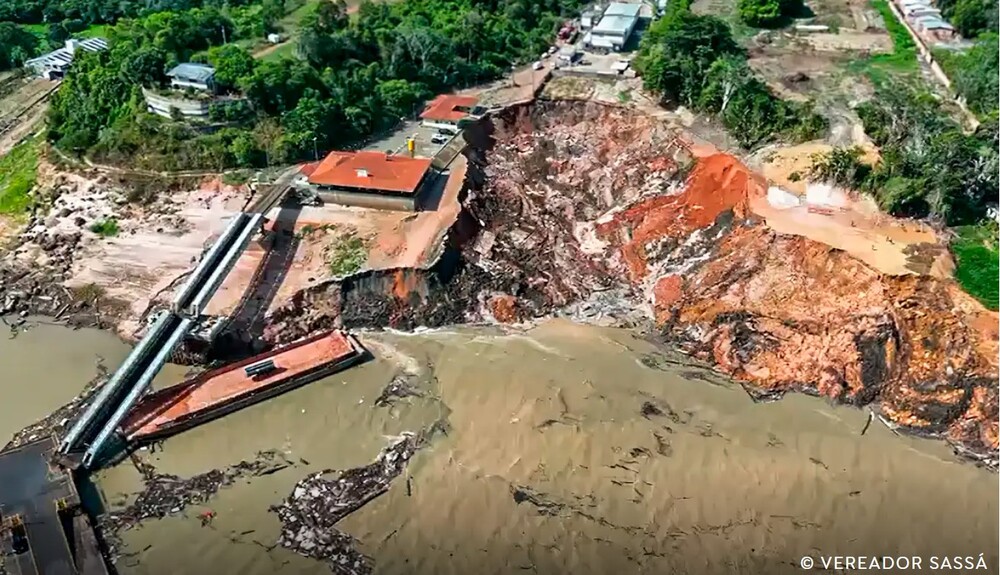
column 167, row 494
column 398, row 388
column 310, row 514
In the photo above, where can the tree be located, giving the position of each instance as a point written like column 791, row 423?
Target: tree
column 400, row 97
column 244, row 149
column 330, row 16
column 145, row 66
column 760, row 13
column 976, row 75
column 678, row 52
column 271, row 12
column 16, row 45
column 232, row 64
column 268, row 136
column 57, row 34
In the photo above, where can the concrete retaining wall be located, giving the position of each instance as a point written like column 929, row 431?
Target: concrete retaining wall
column 161, row 105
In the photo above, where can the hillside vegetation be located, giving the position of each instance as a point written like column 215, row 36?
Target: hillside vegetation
column 693, row 60
column 355, row 76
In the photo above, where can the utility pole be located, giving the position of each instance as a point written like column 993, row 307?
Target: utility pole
column 223, row 33
column 315, row 150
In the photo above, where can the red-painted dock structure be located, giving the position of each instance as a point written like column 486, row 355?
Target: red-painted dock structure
column 217, row 392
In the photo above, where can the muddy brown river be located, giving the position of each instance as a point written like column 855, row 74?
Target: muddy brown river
column 569, row 449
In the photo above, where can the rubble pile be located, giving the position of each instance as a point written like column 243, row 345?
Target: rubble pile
column 165, row 494
column 310, row 514
column 555, row 172
column 41, row 257
column 779, row 313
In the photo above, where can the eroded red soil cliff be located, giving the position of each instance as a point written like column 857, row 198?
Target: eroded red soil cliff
column 604, row 210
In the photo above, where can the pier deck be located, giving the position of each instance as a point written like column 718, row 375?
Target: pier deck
column 39, row 516
column 221, row 391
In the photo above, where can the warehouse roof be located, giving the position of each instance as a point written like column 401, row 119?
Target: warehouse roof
column 623, row 9
column 618, row 19
column 63, row 56
column 371, row 171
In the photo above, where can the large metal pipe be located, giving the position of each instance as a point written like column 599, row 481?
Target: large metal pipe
column 137, row 390
column 207, row 263
column 224, row 265
column 124, row 371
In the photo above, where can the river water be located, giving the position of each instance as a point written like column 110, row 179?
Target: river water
column 700, row 481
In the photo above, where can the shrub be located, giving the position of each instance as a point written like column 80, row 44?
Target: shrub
column 105, row 228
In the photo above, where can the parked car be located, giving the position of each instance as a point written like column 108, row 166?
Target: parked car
column 439, row 139
column 553, row 50
column 537, row 65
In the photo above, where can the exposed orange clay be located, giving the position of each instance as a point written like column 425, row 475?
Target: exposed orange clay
column 718, row 183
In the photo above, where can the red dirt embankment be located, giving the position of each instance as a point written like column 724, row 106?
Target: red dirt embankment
column 784, row 313
column 718, row 183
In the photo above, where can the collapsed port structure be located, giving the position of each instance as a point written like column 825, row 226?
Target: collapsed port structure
column 93, row 430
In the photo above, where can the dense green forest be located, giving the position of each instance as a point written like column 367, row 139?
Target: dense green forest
column 975, row 73
column 16, row 45
column 971, row 18
column 30, row 27
column 694, row 61
column 356, row 76
column 97, row 11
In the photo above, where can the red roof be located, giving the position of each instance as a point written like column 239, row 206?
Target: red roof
column 371, row 170
column 308, row 169
column 449, row 107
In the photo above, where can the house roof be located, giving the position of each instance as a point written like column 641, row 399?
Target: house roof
column 63, row 56
column 371, row 170
column 308, row 169
column 191, row 71
column 448, row 107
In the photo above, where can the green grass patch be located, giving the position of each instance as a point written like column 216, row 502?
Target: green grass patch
column 902, row 59
column 94, row 31
column 293, row 19
column 978, row 262
column 286, row 50
column 39, row 30
column 105, row 228
column 347, row 255
column 18, row 170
